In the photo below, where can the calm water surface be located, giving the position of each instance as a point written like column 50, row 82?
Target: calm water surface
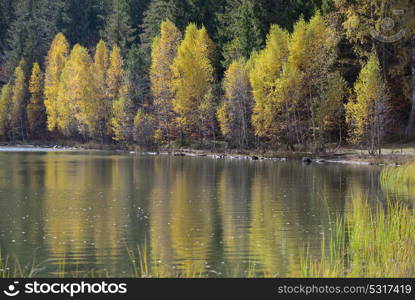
column 195, row 215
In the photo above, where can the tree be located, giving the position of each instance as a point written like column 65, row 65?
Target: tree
column 137, row 68
column 118, row 30
column 145, row 133
column 31, row 31
column 193, row 79
column 103, row 102
column 35, row 109
column 5, row 108
column 115, row 73
column 164, row 51
column 367, row 114
column 18, row 105
column 267, row 67
column 55, row 62
column 77, row 107
column 157, row 12
column 6, row 14
column 235, row 112
column 241, row 30
column 123, row 117
column 313, row 55
column 387, row 26
column 81, row 21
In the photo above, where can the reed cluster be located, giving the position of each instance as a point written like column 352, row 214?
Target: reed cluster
column 369, row 242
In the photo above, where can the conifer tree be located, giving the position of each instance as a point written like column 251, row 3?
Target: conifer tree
column 55, row 62
column 241, row 29
column 157, row 12
column 164, row 51
column 118, row 30
column 367, row 113
column 31, row 31
column 35, row 109
column 137, row 66
column 103, row 102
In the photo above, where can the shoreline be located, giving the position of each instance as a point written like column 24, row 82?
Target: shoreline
column 342, row 156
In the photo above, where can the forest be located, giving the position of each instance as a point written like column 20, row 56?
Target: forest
column 240, row 74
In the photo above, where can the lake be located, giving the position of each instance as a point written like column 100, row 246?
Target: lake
column 87, row 211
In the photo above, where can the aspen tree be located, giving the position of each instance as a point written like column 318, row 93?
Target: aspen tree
column 193, row 77
column 234, row 114
column 18, row 108
column 5, row 107
column 55, row 62
column 164, row 51
column 367, row 113
column 35, row 108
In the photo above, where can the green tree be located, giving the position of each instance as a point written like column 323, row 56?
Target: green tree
column 241, row 30
column 118, row 30
column 157, row 12
column 31, row 31
column 103, row 102
column 137, row 66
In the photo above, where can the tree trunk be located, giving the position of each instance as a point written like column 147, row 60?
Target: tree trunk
column 410, row 127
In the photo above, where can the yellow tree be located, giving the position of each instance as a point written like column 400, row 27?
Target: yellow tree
column 235, row 111
column 36, row 108
column 193, row 77
column 104, row 103
column 115, row 77
column 77, row 109
column 267, row 67
column 5, row 108
column 367, row 113
column 19, row 92
column 164, row 51
column 313, row 49
column 115, row 74
column 55, row 62
column 123, row 116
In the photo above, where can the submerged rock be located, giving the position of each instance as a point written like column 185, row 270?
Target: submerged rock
column 307, row 160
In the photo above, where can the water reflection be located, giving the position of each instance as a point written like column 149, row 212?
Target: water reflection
column 196, row 216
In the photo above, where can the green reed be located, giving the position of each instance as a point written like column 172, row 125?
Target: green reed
column 399, row 179
column 370, row 242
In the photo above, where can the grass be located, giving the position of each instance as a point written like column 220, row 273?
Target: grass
column 369, row 242
column 399, row 180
